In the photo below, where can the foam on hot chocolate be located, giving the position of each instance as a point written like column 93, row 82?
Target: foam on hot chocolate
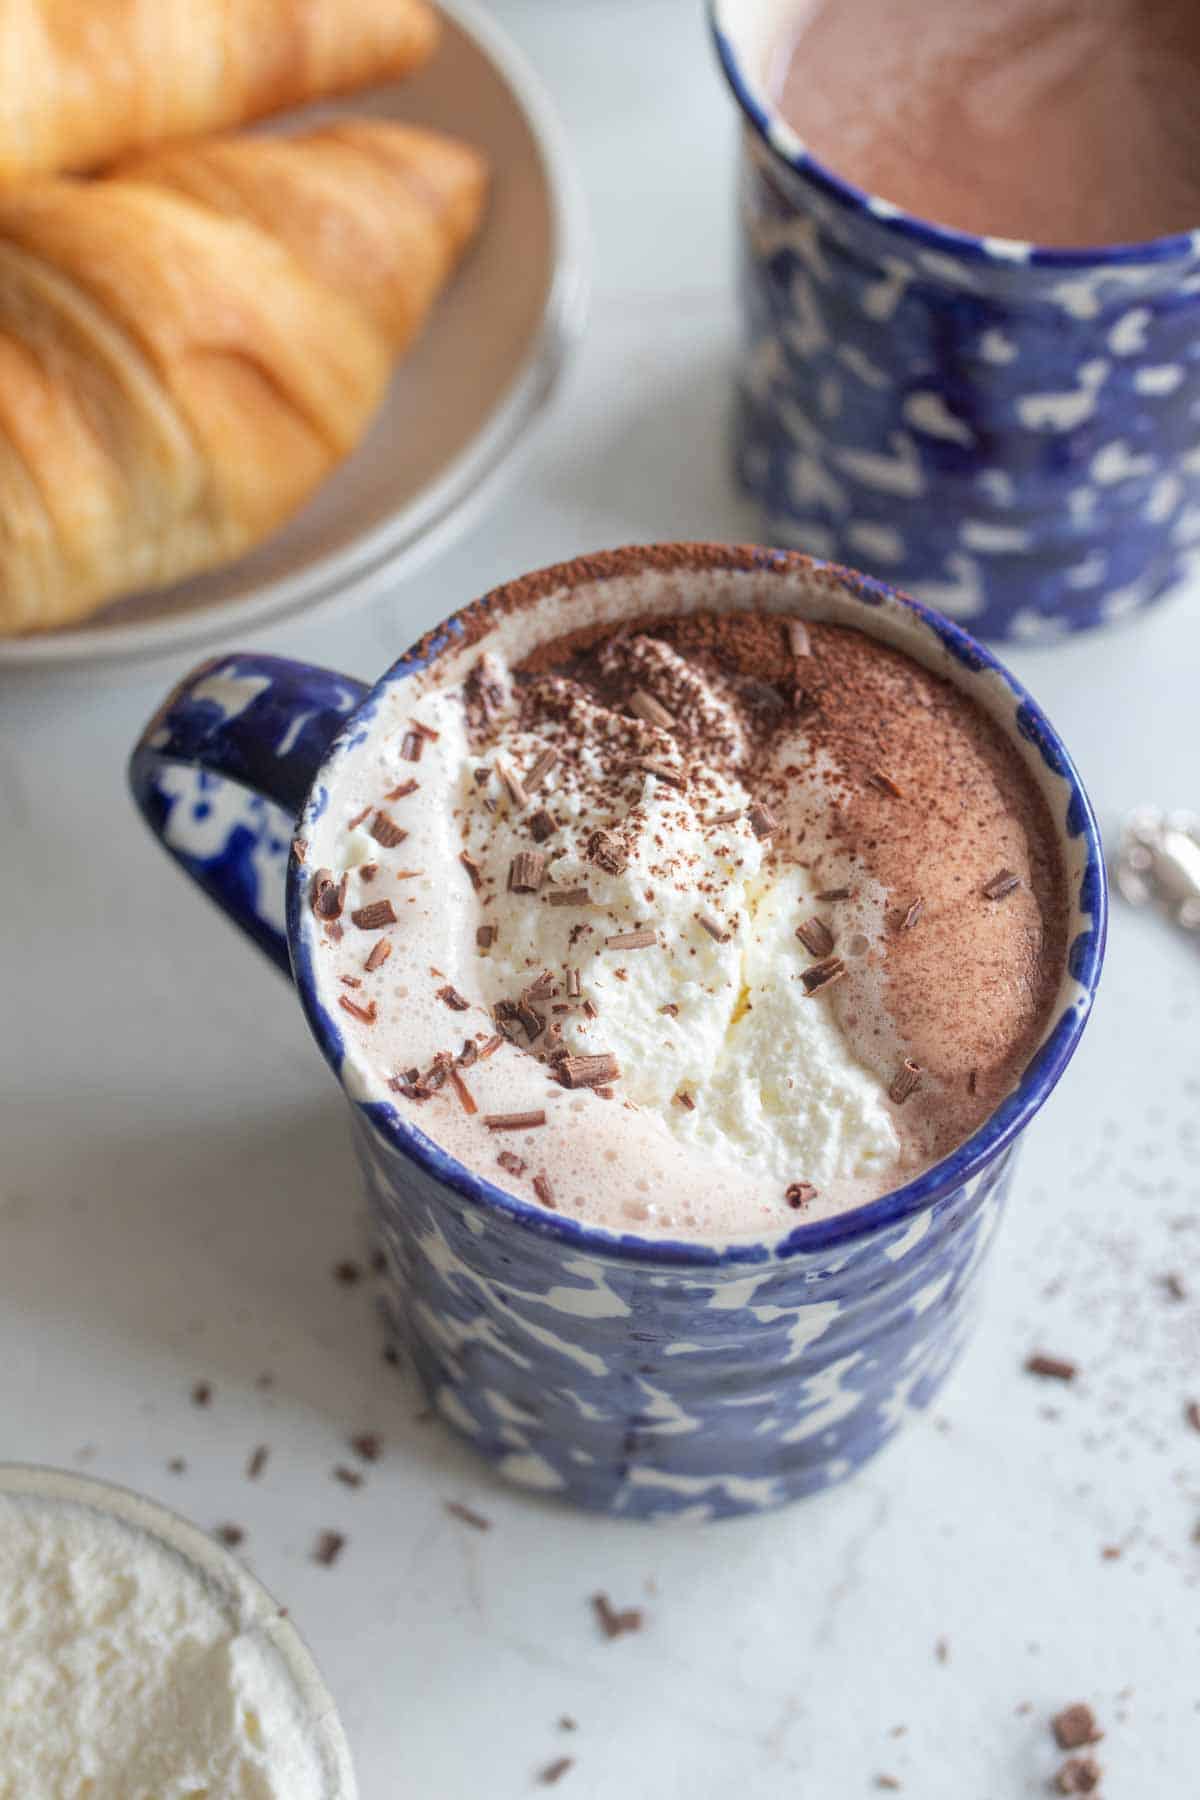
column 1063, row 122
column 699, row 925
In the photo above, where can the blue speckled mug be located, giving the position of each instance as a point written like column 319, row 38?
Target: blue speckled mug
column 1010, row 432
column 642, row 1377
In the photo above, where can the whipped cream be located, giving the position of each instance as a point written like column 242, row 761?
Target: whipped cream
column 579, row 881
column 124, row 1675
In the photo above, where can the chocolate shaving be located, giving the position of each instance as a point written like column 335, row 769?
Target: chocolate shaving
column 916, row 908
column 300, row 849
column 463, row 1091
column 1075, row 1727
column 684, row 1099
column 485, row 936
column 375, row 916
column 511, row 1162
column 646, row 707
column 1001, row 884
column 257, row 1463
column 879, row 778
column 403, row 791
column 576, row 896
column 202, row 1394
column 426, row 731
column 761, row 821
column 385, row 831
column 554, row 1771
column 490, row 1048
column 347, row 1274
column 1052, row 1368
column 798, row 637
column 541, row 768
column 907, row 1081
column 800, row 1193
column 472, row 867
column 720, row 933
column 350, row 981
column 614, row 1623
column 368, row 871
column 327, row 896
column 526, row 872
column 607, row 853
column 469, row 1054
column 368, row 1445
column 468, row 1515
column 379, row 955
column 450, row 996
column 1191, row 1413
column 1078, row 1775
column 727, row 817
column 329, row 1544
column 412, row 746
column 544, row 1192
column 230, row 1535
column 589, row 1071
column 542, row 825
column 354, row 823
column 519, row 1121
column 348, row 1477
column 676, row 778
column 512, row 781
column 574, row 985
column 640, row 939
column 540, row 988
column 670, row 1009
column 816, row 937
column 842, row 893
column 823, row 974
column 367, row 1013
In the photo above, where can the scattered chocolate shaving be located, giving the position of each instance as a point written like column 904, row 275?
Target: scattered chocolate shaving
column 350, row 981
column 661, row 771
column 490, row 1048
column 347, row 1274
column 300, row 849
column 1191, row 1413
column 368, row 1445
column 761, row 820
column 541, row 987
column 542, row 825
column 576, row 896
column 821, row 975
column 1051, row 1368
column 1000, row 885
column 804, row 702
column 177, row 1465
column 257, row 1463
column 368, row 871
column 567, row 1723
column 684, row 1099
column 230, row 1535
column 202, row 1394
column 646, row 707
column 469, row 1053
column 640, row 939
column 907, row 1081
column 612, row 1623
column 520, row 1121
column 412, row 746
column 354, row 823
column 800, row 1193
column 330, row 1544
column 333, row 932
column 468, row 1515
column 544, row 1192
column 888, row 1782
column 1173, row 1286
column 942, row 1650
column 607, row 853
column 512, row 781
column 426, row 731
column 670, row 1009
column 816, row 937
column 1078, row 1775
column 463, row 1091
column 327, row 896
column 589, row 1071
column 798, row 638
column 385, row 831
column 879, row 778
column 973, row 1082
column 485, row 936
column 728, row 817
column 366, row 1013
column 554, row 1771
column 721, row 934
column 375, row 916
column 526, row 872
column 379, row 955
column 511, row 1163
column 912, row 916
column 1075, row 1727
column 842, row 893
column 408, row 874
column 574, row 984
column 403, row 791
column 350, row 1478
column 472, row 867
column 450, row 996
column 542, row 766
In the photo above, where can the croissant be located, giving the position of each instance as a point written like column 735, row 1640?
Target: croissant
column 86, row 81
column 188, row 348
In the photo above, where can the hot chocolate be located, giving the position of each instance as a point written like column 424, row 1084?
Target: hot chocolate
column 698, row 923
column 1064, row 122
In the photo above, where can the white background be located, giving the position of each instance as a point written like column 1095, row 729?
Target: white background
column 175, row 1184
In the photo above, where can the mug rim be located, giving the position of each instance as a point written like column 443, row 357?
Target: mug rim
column 788, row 148
column 900, row 1205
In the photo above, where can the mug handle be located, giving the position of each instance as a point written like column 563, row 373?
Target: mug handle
column 259, row 724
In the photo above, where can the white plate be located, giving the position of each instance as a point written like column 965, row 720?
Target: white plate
column 459, row 403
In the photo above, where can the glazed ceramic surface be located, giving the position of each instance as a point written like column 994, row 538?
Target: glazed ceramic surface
column 639, row 1376
column 1010, row 432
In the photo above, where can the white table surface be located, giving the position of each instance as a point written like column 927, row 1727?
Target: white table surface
column 176, row 1182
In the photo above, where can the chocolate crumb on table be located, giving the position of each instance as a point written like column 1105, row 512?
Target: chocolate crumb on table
column 177, row 1465
column 554, row 1771
column 202, row 1394
column 257, row 1462
column 614, row 1623
column 567, row 1723
column 328, row 1548
column 888, row 1782
column 350, row 1478
column 1075, row 1726
column 468, row 1515
column 1191, row 1413
column 941, row 1650
column 347, row 1274
column 230, row 1535
column 368, row 1445
column 1078, row 1775
column 1051, row 1368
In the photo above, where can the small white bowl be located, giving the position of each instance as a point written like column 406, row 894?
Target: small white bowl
column 222, row 1575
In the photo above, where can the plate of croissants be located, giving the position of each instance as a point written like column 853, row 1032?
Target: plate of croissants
column 283, row 285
